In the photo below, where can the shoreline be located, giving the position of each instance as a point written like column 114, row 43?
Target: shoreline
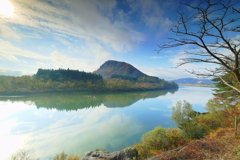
column 15, row 94
column 196, row 85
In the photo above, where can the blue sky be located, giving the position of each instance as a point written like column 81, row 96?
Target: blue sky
column 83, row 34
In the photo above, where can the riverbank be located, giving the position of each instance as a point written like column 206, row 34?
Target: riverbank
column 197, row 85
column 23, row 94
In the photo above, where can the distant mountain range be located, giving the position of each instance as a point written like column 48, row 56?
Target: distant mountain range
column 193, row 81
column 111, row 67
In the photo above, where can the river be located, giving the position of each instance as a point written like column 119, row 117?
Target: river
column 79, row 122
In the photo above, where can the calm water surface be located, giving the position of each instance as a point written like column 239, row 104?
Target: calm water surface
column 76, row 123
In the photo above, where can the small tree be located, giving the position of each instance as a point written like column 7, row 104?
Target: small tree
column 183, row 115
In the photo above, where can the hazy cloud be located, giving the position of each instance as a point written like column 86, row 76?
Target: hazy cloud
column 167, row 73
column 11, row 52
column 7, row 32
column 87, row 19
column 155, row 57
column 13, row 73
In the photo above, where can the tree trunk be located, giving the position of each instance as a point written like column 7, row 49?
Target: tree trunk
column 235, row 126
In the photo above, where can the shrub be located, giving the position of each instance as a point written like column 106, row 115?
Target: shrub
column 175, row 138
column 64, row 156
column 155, row 139
column 159, row 140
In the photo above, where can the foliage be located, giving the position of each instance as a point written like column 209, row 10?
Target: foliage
column 116, row 84
column 226, row 100
column 224, row 92
column 64, row 156
column 23, row 154
column 159, row 140
column 62, row 75
column 237, row 150
column 220, row 111
column 184, row 117
column 209, row 122
column 218, row 145
column 73, row 80
column 155, row 139
column 148, row 79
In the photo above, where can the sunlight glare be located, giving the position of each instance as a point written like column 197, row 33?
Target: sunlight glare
column 6, row 8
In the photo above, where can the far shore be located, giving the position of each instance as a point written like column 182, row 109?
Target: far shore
column 197, row 85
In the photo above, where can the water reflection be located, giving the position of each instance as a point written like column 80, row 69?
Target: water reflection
column 75, row 101
column 76, row 123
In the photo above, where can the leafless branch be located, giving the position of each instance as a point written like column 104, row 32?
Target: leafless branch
column 211, row 28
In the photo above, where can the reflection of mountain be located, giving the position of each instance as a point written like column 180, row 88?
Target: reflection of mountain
column 75, row 101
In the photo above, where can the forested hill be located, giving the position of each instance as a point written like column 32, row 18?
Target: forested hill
column 66, row 80
column 115, row 68
column 62, row 75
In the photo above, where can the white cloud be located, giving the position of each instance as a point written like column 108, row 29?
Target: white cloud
column 177, row 72
column 88, row 29
column 167, row 73
column 199, row 67
column 62, row 40
column 155, row 57
column 11, row 52
column 63, row 61
column 87, row 19
column 90, row 59
column 7, row 32
column 14, row 73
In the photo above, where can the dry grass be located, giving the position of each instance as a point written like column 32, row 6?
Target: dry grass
column 221, row 145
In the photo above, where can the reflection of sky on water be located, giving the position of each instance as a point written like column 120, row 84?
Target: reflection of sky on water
column 49, row 132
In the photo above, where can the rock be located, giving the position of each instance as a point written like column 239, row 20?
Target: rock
column 129, row 153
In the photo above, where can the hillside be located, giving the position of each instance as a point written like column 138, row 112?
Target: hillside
column 111, row 67
column 119, row 77
column 193, row 81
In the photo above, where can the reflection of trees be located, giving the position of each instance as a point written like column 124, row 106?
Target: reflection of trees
column 127, row 99
column 75, row 101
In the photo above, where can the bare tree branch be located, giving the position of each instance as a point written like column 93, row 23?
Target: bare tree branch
column 210, row 30
column 236, row 89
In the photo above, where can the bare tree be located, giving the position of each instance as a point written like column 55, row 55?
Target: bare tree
column 211, row 33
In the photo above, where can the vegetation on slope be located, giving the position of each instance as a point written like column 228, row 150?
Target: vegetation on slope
column 201, row 135
column 72, row 80
column 219, row 145
column 111, row 67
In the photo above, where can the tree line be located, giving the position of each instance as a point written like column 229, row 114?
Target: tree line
column 48, row 80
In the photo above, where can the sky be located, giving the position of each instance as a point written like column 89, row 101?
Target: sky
column 83, row 34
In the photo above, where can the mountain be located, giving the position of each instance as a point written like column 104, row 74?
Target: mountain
column 111, row 67
column 193, row 81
